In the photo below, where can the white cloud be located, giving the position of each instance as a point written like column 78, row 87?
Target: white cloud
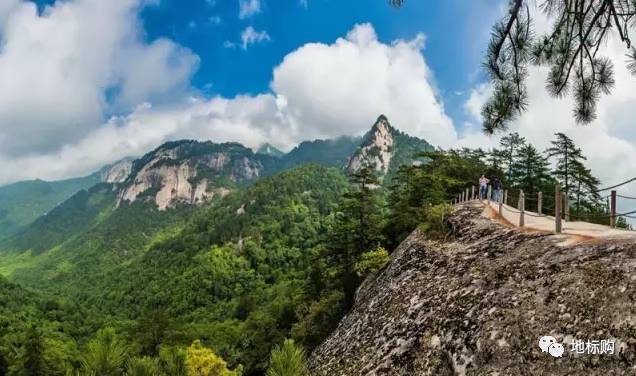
column 318, row 91
column 61, row 70
column 251, row 36
column 342, row 87
column 248, row 8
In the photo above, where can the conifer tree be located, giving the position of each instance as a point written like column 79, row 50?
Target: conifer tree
column 531, row 172
column 585, row 186
column 571, row 49
column 495, row 160
column 567, row 155
column 106, row 354
column 509, row 146
column 358, row 229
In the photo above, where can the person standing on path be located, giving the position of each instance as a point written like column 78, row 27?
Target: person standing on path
column 496, row 184
column 483, row 187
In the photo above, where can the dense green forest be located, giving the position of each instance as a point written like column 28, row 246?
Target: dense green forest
column 247, row 284
column 23, row 202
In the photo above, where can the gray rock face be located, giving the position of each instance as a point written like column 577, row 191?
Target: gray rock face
column 377, row 150
column 117, row 173
column 190, row 172
column 477, row 305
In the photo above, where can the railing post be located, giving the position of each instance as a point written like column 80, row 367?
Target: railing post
column 566, row 206
column 613, row 209
column 467, row 194
column 557, row 209
column 540, row 203
column 522, row 207
column 506, row 197
column 472, row 193
column 488, row 195
column 501, row 206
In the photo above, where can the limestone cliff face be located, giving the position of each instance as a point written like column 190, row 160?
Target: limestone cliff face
column 376, row 149
column 118, row 172
column 385, row 148
column 189, row 172
column 477, row 305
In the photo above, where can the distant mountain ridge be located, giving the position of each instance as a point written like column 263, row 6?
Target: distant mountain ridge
column 23, row 202
column 193, row 172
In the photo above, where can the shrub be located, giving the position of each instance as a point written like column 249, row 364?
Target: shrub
column 201, row 361
column 287, row 360
column 371, row 261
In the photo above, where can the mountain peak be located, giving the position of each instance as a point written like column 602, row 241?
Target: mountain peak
column 385, row 148
column 269, row 149
column 376, row 149
column 382, row 125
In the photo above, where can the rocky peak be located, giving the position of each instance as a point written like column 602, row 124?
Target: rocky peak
column 268, row 149
column 117, row 172
column 190, row 172
column 376, row 149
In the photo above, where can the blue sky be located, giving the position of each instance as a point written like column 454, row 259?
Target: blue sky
column 456, row 35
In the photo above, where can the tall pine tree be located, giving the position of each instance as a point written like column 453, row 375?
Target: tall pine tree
column 358, row 229
column 584, row 190
column 567, row 156
column 531, row 172
column 509, row 146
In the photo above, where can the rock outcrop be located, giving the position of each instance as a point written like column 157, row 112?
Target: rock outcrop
column 190, row 172
column 477, row 305
column 118, row 172
column 385, row 148
column 376, row 149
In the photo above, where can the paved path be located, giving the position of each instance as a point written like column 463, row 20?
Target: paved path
column 534, row 222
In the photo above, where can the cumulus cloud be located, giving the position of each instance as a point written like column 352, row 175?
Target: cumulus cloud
column 248, row 8
column 61, row 70
column 318, row 91
column 341, row 87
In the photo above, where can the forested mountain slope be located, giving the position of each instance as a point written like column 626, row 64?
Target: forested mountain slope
column 23, row 202
column 236, row 270
column 198, row 242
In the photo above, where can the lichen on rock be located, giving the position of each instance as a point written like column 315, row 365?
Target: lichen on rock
column 477, row 305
